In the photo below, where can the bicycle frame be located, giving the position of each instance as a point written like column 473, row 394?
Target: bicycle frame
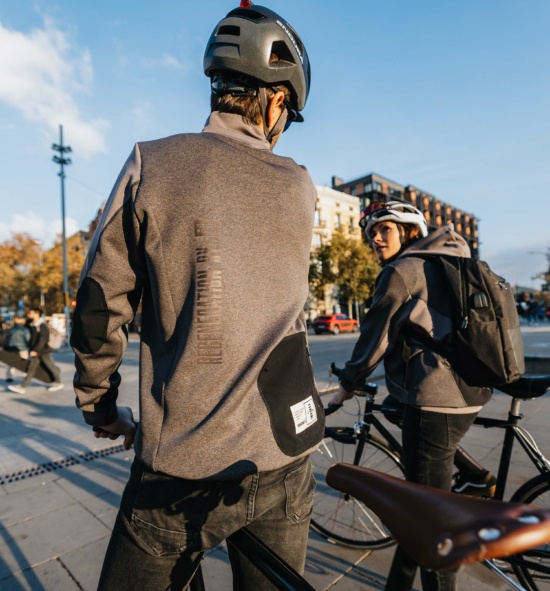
column 282, row 576
column 512, row 432
column 510, row 425
column 371, row 420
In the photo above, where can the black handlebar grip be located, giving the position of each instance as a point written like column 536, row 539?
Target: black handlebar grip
column 332, row 408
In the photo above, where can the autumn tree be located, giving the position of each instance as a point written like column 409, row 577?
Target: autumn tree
column 347, row 263
column 19, row 256
column 26, row 270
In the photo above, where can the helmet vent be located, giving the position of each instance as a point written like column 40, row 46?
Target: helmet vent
column 250, row 14
column 294, row 37
column 281, row 50
column 229, row 30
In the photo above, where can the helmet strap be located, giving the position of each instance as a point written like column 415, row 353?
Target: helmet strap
column 402, row 236
column 281, row 122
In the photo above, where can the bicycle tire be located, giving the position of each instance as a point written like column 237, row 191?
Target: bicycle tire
column 340, row 518
column 535, row 492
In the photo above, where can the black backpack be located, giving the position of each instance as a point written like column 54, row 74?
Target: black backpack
column 487, row 346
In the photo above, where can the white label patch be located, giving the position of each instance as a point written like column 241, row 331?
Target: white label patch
column 304, row 414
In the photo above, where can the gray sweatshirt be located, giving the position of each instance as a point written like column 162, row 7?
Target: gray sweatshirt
column 212, row 232
column 409, row 321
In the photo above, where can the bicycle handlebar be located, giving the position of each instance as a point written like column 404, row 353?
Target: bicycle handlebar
column 363, row 390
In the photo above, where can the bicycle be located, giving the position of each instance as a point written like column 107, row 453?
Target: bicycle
column 342, row 519
column 438, row 529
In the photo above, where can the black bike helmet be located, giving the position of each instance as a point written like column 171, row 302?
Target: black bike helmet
column 243, row 42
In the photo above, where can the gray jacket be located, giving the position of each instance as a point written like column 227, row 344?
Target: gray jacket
column 18, row 338
column 212, row 232
column 411, row 309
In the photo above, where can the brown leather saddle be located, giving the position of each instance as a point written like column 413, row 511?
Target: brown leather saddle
column 440, row 529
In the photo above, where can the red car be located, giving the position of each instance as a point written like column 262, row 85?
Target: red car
column 335, row 323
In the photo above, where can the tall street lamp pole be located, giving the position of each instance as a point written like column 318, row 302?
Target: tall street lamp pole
column 41, row 265
column 63, row 161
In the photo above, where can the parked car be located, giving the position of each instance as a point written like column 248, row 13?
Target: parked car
column 335, row 323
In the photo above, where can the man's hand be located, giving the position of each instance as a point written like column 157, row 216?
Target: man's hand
column 33, row 353
column 124, row 425
column 339, row 398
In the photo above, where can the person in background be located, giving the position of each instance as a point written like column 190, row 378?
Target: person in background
column 407, row 327
column 211, row 232
column 40, row 353
column 17, row 340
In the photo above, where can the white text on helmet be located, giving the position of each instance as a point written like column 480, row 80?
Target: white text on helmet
column 291, row 37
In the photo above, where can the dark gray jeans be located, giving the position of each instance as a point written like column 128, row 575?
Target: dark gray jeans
column 46, row 360
column 430, row 440
column 165, row 524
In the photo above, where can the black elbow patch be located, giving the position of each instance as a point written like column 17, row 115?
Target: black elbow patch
column 90, row 318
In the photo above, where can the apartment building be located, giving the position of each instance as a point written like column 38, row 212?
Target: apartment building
column 374, row 187
column 334, row 210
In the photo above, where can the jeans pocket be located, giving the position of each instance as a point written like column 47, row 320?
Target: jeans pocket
column 168, row 513
column 299, row 488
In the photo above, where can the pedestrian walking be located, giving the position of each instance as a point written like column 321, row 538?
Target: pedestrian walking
column 408, row 327
column 211, row 233
column 39, row 353
column 17, row 340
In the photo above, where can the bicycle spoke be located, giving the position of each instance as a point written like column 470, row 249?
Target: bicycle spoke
column 340, row 517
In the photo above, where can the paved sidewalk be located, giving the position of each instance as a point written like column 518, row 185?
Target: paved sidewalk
column 55, row 519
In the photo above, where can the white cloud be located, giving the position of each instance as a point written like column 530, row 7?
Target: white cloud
column 166, row 61
column 31, row 223
column 40, row 75
column 171, row 62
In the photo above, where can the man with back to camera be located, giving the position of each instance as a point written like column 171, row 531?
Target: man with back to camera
column 212, row 232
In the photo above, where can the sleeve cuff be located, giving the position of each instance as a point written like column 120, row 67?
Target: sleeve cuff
column 347, row 386
column 101, row 418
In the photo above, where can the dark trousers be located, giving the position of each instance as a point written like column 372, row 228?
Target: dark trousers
column 165, row 524
column 46, row 360
column 430, row 440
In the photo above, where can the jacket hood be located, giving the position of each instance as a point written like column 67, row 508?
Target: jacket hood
column 444, row 241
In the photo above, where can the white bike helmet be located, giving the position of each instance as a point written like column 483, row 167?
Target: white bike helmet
column 398, row 212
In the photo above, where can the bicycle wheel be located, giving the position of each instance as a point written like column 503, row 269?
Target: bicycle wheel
column 533, row 567
column 339, row 517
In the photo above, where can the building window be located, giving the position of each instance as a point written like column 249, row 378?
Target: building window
column 353, row 191
column 317, row 241
column 317, row 218
column 394, row 193
column 338, row 221
column 368, row 187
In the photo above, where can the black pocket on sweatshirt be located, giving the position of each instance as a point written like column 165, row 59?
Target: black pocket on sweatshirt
column 288, row 390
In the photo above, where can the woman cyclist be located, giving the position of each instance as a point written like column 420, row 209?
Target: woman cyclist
column 409, row 327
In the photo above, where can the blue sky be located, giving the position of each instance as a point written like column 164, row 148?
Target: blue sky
column 452, row 97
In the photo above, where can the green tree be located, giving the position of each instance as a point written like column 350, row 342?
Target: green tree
column 347, row 263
